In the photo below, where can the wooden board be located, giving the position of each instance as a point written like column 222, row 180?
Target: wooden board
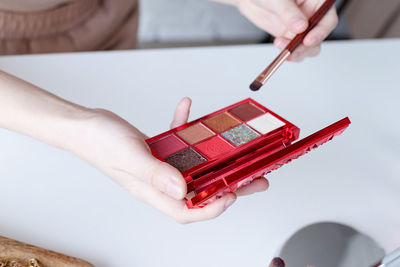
column 22, row 253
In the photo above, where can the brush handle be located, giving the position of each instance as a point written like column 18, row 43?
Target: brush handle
column 313, row 21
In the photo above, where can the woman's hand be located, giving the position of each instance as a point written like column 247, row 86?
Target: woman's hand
column 119, row 150
column 110, row 144
column 286, row 18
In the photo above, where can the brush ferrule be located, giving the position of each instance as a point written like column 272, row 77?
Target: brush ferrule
column 278, row 61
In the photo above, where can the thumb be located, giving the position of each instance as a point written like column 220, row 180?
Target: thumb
column 162, row 176
column 182, row 111
column 291, row 15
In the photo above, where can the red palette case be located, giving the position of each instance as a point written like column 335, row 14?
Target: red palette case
column 229, row 148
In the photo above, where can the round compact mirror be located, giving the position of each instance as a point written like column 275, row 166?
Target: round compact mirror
column 330, row 245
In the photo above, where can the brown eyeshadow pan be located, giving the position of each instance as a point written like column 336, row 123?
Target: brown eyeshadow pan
column 195, row 133
column 246, row 111
column 222, row 122
column 185, row 159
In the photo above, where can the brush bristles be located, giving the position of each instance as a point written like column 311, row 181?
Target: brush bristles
column 277, row 262
column 255, row 86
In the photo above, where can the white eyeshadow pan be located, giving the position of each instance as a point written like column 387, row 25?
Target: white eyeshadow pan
column 266, row 123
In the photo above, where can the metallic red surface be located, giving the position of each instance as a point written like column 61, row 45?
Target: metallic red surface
column 258, row 165
column 228, row 169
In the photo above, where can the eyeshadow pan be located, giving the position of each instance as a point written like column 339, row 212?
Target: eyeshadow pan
column 240, row 135
column 214, row 147
column 222, row 122
column 167, row 145
column 185, row 159
column 195, row 133
column 246, row 111
column 266, row 123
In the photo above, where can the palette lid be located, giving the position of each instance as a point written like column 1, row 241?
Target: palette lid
column 266, row 164
column 293, row 151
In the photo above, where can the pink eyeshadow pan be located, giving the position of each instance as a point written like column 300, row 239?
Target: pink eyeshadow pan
column 167, row 145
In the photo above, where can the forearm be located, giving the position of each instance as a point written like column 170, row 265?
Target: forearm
column 31, row 111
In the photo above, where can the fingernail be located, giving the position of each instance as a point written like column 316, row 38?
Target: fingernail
column 173, row 189
column 229, row 202
column 298, row 25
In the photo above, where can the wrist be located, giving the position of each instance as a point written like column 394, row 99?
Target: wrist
column 32, row 111
column 67, row 127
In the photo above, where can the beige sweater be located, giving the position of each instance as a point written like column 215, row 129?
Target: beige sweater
column 45, row 26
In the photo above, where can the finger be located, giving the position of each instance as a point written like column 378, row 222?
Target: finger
column 211, row 211
column 261, row 17
column 297, row 55
column 152, row 171
column 303, row 51
column 290, row 14
column 323, row 29
column 258, row 185
column 165, row 178
column 182, row 111
column 313, row 51
column 178, row 210
column 277, row 262
column 281, row 42
column 300, row 53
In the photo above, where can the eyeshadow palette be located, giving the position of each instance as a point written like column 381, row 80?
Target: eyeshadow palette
column 229, row 148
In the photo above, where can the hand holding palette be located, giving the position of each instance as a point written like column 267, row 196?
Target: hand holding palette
column 229, row 148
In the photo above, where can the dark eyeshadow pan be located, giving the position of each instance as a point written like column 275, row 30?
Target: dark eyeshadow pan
column 246, row 111
column 185, row 159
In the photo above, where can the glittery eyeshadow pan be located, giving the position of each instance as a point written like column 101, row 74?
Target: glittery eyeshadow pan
column 167, row 145
column 240, row 135
column 246, row 111
column 195, row 133
column 185, row 159
column 222, row 122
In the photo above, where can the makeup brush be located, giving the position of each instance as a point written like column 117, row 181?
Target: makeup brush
column 297, row 40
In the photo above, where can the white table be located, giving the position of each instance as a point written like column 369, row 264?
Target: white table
column 52, row 199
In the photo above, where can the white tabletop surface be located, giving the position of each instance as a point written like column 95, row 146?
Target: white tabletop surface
column 50, row 198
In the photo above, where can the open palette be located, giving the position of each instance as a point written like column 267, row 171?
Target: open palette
column 229, row 148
